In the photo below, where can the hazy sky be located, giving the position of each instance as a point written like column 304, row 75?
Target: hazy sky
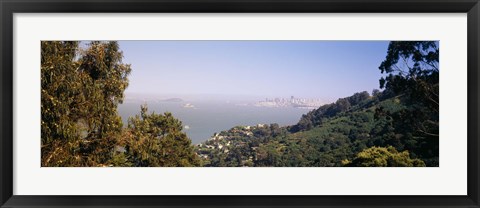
column 309, row 69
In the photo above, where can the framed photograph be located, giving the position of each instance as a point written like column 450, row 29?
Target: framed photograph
column 265, row 103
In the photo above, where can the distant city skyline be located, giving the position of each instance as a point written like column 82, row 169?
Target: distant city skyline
column 263, row 69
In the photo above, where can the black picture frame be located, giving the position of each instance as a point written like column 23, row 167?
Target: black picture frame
column 9, row 7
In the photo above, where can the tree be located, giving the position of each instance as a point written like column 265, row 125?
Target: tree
column 358, row 97
column 156, row 140
column 104, row 85
column 267, row 156
column 58, row 83
column 61, row 95
column 408, row 61
column 81, row 89
column 305, row 123
column 342, row 105
column 412, row 69
column 384, row 157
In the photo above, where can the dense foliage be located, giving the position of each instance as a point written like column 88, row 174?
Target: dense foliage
column 412, row 69
column 384, row 157
column 156, row 140
column 80, row 91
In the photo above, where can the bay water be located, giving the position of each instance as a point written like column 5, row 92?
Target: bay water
column 201, row 119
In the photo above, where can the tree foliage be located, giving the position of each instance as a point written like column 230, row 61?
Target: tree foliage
column 314, row 118
column 412, row 69
column 385, row 157
column 156, row 140
column 81, row 88
column 104, row 83
column 79, row 118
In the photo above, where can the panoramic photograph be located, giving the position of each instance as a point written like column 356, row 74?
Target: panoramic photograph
column 288, row 103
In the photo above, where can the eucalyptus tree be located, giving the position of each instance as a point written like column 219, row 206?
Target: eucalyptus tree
column 80, row 91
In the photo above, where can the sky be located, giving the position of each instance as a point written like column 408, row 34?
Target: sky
column 305, row 69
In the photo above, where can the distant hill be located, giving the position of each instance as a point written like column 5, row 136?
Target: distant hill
column 173, row 100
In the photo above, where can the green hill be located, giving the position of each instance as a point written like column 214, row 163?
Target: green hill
column 332, row 135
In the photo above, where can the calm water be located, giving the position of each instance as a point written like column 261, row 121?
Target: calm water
column 205, row 118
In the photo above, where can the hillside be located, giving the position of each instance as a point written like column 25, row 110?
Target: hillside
column 332, row 135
